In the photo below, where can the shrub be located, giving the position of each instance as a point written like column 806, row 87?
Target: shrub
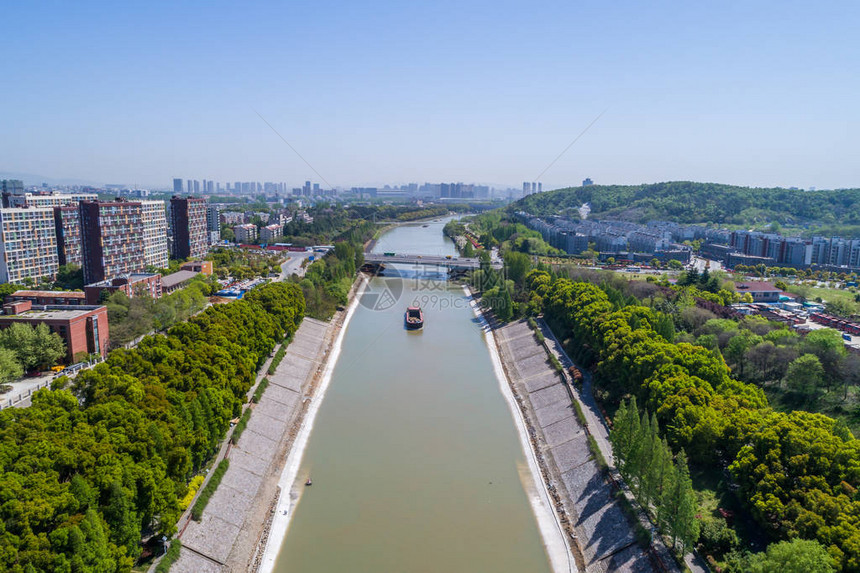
column 211, row 486
column 170, row 557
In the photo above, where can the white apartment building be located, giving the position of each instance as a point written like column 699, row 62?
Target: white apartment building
column 270, row 232
column 154, row 220
column 49, row 200
column 28, row 244
column 245, row 233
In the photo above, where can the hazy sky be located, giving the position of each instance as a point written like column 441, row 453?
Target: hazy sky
column 759, row 93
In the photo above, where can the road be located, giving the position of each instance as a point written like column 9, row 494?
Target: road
column 293, row 264
column 702, row 263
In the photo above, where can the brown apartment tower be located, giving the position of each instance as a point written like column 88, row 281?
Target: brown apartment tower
column 188, row 219
column 112, row 234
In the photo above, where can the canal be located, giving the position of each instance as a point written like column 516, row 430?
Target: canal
column 414, row 457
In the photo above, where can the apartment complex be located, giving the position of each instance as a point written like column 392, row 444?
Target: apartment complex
column 67, row 226
column 54, row 199
column 112, row 233
column 270, row 232
column 213, row 223
column 28, row 245
column 246, row 233
column 188, row 221
column 154, row 219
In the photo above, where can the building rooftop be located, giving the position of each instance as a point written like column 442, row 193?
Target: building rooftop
column 178, row 277
column 50, row 293
column 123, row 279
column 53, row 312
column 756, row 286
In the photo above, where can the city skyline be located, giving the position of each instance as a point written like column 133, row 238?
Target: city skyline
column 739, row 94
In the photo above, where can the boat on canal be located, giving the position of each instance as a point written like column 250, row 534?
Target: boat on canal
column 414, row 318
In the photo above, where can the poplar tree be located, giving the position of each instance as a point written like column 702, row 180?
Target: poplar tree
column 625, row 431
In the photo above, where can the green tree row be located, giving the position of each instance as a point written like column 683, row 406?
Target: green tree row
column 798, row 473
column 94, row 463
column 660, row 481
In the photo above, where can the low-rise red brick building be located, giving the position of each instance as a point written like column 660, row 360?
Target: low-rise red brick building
column 83, row 328
column 133, row 284
column 70, row 298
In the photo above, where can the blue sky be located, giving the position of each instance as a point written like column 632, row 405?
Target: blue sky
column 754, row 93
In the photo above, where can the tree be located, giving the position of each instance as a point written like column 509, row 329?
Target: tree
column 504, row 307
column 795, row 556
column 624, row 437
column 10, row 368
column 679, row 506
column 804, row 374
column 35, row 347
column 70, row 277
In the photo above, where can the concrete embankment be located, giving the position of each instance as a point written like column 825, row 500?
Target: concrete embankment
column 237, row 518
column 603, row 538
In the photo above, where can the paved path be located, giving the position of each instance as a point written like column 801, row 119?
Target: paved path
column 583, row 498
column 238, row 512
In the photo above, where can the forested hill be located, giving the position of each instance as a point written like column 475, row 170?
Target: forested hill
column 690, row 202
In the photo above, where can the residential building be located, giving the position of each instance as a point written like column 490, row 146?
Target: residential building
column 67, row 226
column 177, row 186
column 760, row 291
column 245, row 233
column 270, row 232
column 133, row 284
column 188, row 221
column 50, row 199
column 83, row 328
column 587, row 181
column 112, row 233
column 28, row 244
column 232, row 217
column 213, row 223
column 154, row 219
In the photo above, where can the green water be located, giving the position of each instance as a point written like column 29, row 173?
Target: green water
column 414, row 456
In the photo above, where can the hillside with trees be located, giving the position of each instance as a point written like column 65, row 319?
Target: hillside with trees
column 691, row 202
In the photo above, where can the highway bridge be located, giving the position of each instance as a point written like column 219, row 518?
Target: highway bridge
column 376, row 260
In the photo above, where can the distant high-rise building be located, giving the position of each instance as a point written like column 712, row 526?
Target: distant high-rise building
column 534, row 187
column 28, row 244
column 587, row 181
column 67, row 225
column 540, row 187
column 12, row 186
column 112, row 239
column 188, row 220
column 154, row 221
column 189, row 188
column 526, row 188
column 196, row 186
column 177, row 185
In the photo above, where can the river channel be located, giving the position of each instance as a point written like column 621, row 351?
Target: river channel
column 415, row 460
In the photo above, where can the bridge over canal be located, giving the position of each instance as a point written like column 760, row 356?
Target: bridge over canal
column 375, row 261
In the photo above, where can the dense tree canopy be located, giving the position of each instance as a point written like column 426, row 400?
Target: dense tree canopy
column 87, row 468
column 798, row 472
